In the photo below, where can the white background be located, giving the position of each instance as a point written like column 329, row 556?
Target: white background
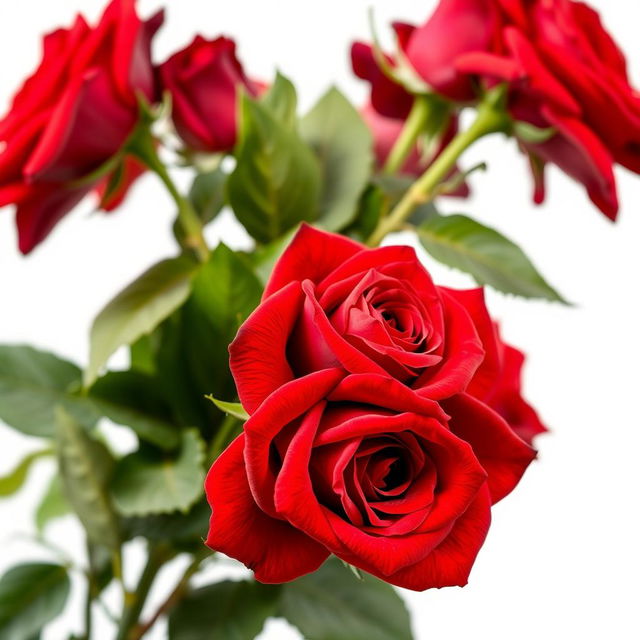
column 562, row 556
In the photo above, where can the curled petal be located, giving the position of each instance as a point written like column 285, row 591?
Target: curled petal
column 272, row 548
column 504, row 455
column 258, row 358
column 311, row 255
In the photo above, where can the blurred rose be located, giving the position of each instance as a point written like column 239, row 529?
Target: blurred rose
column 204, row 80
column 564, row 72
column 73, row 115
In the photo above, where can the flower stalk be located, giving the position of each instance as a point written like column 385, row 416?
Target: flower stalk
column 491, row 118
column 414, row 126
column 143, row 146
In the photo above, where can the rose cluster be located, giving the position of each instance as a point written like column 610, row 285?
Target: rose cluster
column 67, row 129
column 564, row 73
column 385, row 420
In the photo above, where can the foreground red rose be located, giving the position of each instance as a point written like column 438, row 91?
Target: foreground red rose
column 331, row 302
column 564, row 72
column 363, row 468
column 73, row 115
column 204, row 80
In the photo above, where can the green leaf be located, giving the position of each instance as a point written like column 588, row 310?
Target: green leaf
column 207, row 194
column 264, row 257
column 281, row 100
column 32, row 384
column 138, row 309
column 234, row 409
column 14, row 480
column 276, row 182
column 53, row 504
column 31, row 595
column 492, row 259
column 142, row 353
column 131, row 398
column 192, row 358
column 151, row 481
column 330, row 604
column 229, row 610
column 226, row 290
column 181, row 530
column 344, row 148
column 85, row 468
column 372, row 206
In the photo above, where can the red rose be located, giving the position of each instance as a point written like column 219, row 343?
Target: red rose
column 331, row 302
column 204, row 80
column 73, row 115
column 564, row 72
column 386, row 131
column 363, row 468
column 456, row 28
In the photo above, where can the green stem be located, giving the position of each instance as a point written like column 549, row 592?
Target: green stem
column 173, row 598
column 143, row 146
column 134, row 602
column 413, row 127
column 92, row 591
column 491, row 118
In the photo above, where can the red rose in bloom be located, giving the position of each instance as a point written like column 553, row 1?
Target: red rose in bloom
column 73, row 114
column 331, row 302
column 204, row 80
column 387, row 130
column 564, row 71
column 362, row 467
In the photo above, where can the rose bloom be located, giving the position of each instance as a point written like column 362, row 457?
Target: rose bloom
column 379, row 425
column 331, row 302
column 73, row 115
column 204, row 80
column 360, row 466
column 564, row 72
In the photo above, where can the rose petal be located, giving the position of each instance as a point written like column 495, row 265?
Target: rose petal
column 258, row 353
column 273, row 549
column 500, row 451
column 278, row 410
column 311, row 255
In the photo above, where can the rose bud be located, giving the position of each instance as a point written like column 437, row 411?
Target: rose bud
column 363, row 468
column 73, row 115
column 204, row 80
column 331, row 302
